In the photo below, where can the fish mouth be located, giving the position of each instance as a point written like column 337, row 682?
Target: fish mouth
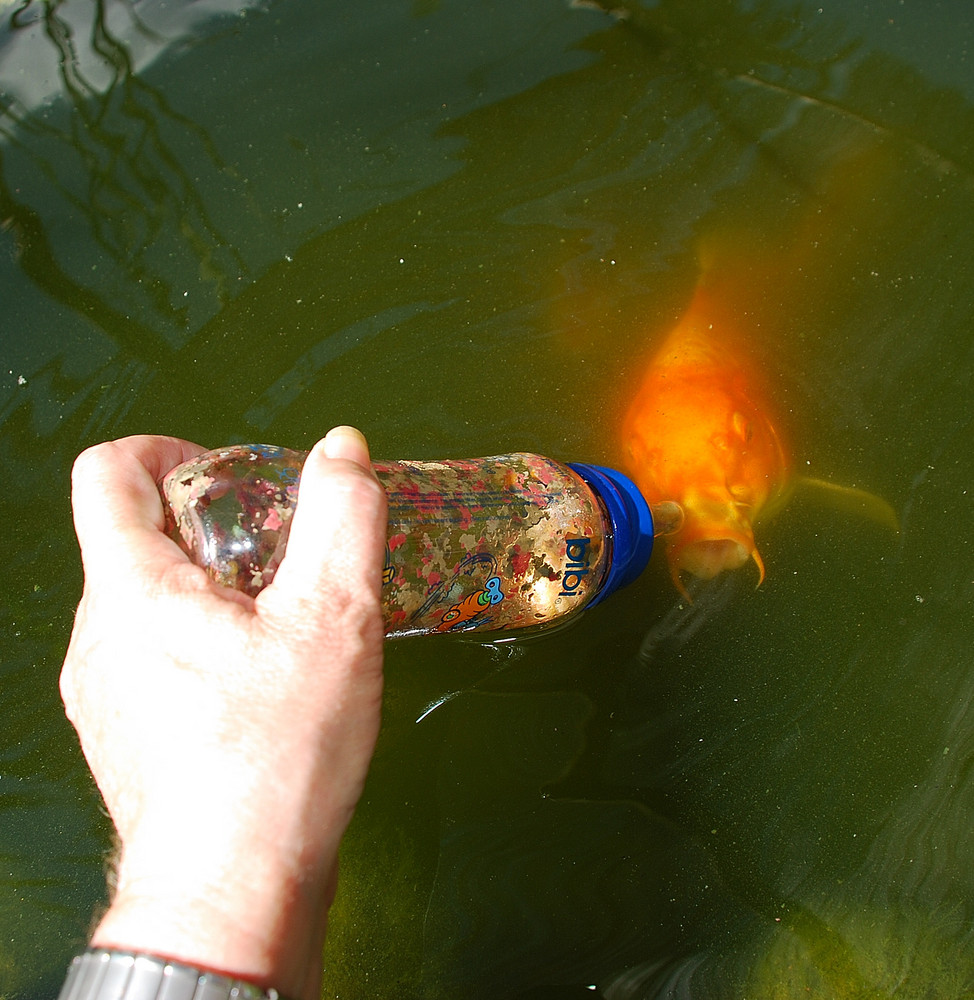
column 708, row 555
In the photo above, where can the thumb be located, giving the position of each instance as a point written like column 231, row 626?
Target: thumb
column 336, row 545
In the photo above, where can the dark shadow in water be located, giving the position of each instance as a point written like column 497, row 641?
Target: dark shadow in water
column 38, row 262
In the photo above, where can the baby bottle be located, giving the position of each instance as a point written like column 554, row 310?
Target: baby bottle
column 508, row 542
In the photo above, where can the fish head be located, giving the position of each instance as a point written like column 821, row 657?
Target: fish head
column 721, row 459
column 738, row 475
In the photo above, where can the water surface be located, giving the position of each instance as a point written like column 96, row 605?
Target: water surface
column 462, row 228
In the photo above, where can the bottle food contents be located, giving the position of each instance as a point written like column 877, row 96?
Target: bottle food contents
column 502, row 543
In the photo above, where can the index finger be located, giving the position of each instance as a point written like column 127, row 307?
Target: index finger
column 118, row 512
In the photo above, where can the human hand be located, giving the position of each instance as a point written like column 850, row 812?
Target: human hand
column 230, row 736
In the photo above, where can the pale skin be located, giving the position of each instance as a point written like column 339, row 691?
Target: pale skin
column 230, row 737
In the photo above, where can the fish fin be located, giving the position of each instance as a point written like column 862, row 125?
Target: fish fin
column 852, row 500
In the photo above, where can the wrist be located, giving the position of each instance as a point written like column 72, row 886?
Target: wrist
column 260, row 922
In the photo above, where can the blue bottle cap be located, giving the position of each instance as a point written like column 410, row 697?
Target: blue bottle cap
column 631, row 525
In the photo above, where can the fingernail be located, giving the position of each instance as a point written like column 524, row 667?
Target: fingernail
column 347, row 442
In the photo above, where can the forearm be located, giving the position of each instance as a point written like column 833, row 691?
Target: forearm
column 276, row 944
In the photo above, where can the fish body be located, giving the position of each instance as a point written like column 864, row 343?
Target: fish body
column 701, row 431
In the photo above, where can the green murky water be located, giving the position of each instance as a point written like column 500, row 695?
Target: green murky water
column 461, row 226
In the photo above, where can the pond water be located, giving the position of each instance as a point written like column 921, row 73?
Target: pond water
column 461, row 226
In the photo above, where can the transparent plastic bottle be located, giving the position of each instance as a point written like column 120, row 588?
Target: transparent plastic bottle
column 502, row 543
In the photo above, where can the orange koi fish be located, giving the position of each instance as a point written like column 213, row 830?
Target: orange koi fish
column 701, row 430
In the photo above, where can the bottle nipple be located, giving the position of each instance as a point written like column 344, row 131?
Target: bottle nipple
column 667, row 517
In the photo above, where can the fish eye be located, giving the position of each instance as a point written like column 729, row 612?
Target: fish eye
column 743, row 427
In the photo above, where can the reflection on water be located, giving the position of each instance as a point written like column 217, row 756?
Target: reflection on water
column 99, row 194
column 464, row 228
column 106, row 150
